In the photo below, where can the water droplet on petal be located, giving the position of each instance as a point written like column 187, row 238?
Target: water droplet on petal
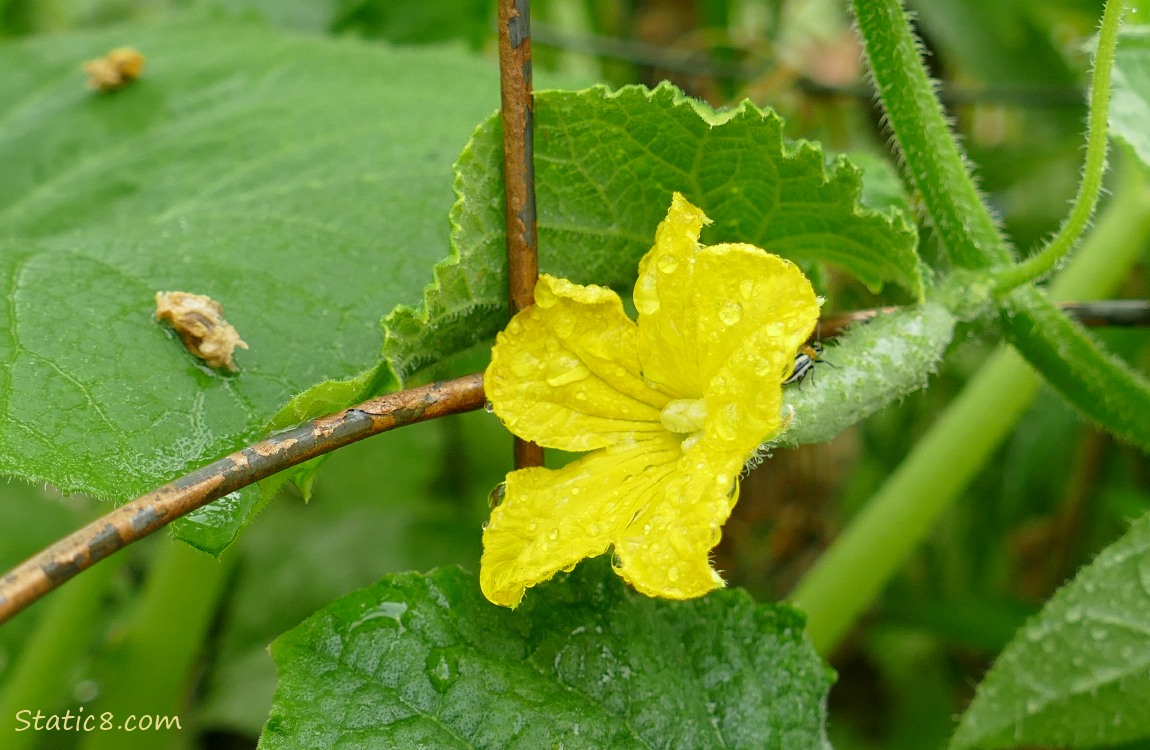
column 563, row 326
column 572, row 372
column 1074, row 614
column 495, row 498
column 746, row 288
column 730, row 312
column 667, row 263
column 553, row 535
column 646, row 295
column 726, row 422
column 523, row 364
column 673, row 573
column 489, row 407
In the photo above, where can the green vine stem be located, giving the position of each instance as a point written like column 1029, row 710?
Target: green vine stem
column 165, row 639
column 937, row 168
column 1103, row 387
column 903, row 511
column 1041, row 263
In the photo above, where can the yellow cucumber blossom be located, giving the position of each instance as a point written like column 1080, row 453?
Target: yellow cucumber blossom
column 670, row 408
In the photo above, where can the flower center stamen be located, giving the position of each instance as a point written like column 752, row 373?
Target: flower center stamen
column 685, row 416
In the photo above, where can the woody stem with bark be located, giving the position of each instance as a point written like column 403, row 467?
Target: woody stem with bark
column 519, row 171
column 135, row 520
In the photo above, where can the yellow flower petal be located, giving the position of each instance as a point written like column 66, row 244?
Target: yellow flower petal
column 551, row 519
column 754, row 354
column 698, row 305
column 565, row 373
column 665, row 551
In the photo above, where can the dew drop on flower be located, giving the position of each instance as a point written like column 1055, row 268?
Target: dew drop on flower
column 764, row 367
column 746, row 288
column 553, row 535
column 563, row 325
column 673, row 573
column 571, row 372
column 523, row 364
column 731, row 313
column 646, row 296
column 725, row 422
column 489, row 407
column 495, row 498
column 667, row 263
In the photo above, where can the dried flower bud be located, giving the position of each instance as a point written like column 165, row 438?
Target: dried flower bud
column 114, row 70
column 200, row 322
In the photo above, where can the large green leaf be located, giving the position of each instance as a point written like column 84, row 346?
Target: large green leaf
column 1078, row 674
column 606, row 165
column 425, row 661
column 303, row 183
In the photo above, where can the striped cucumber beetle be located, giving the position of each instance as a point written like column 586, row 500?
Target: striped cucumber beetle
column 806, row 358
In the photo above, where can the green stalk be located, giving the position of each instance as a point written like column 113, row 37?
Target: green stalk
column 932, row 157
column 62, row 636
column 1041, row 263
column 902, row 512
column 163, row 643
